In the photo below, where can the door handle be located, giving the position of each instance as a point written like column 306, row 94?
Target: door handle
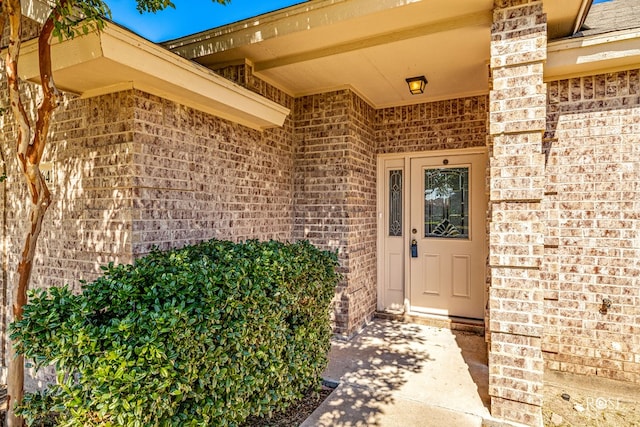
column 414, row 248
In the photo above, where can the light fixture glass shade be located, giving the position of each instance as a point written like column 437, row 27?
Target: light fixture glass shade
column 417, row 84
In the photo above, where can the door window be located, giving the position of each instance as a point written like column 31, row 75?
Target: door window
column 446, row 203
column 395, row 202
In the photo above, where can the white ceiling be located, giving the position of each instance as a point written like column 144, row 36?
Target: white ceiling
column 370, row 46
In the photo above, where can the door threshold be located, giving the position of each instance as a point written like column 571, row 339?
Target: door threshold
column 463, row 324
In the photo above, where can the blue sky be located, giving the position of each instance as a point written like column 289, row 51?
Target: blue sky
column 189, row 16
column 192, row 16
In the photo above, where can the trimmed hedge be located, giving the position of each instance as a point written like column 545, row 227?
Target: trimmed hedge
column 204, row 335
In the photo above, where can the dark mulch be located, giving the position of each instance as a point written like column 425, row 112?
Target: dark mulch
column 293, row 416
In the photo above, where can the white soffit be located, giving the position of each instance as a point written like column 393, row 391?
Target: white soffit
column 368, row 46
column 601, row 53
column 116, row 59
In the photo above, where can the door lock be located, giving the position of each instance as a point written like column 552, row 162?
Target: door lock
column 414, row 248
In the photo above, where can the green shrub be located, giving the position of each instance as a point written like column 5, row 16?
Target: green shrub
column 204, row 335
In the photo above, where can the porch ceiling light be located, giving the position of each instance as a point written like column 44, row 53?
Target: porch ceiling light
column 417, row 84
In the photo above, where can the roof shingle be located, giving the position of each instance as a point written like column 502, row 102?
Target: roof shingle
column 614, row 15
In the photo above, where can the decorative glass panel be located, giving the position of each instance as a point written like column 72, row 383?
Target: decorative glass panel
column 395, row 202
column 446, row 203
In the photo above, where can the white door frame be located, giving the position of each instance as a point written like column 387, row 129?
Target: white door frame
column 380, row 193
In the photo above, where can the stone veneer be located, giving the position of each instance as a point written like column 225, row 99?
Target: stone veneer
column 592, row 240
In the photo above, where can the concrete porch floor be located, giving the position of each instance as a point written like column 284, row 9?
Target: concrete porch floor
column 402, row 374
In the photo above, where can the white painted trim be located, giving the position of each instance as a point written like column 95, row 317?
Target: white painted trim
column 601, row 53
column 582, row 15
column 382, row 221
column 423, row 99
column 294, row 19
column 427, row 99
column 598, row 39
column 117, row 87
column 380, row 182
column 427, row 153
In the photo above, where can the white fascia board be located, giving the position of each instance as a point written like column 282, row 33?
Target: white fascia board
column 290, row 20
column 184, row 79
column 115, row 58
column 600, row 53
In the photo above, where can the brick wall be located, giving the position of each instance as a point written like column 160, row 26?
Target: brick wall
column 335, row 195
column 517, row 122
column 338, row 137
column 441, row 125
column 30, row 30
column 199, row 177
column 4, row 258
column 592, row 241
column 131, row 171
column 88, row 223
column 89, row 220
column 361, row 210
column 320, row 183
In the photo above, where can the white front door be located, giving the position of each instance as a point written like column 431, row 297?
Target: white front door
column 447, row 247
column 437, row 201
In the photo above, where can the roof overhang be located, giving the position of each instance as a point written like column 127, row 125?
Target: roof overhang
column 116, row 59
column 565, row 17
column 600, row 53
column 370, row 46
column 38, row 10
column 324, row 45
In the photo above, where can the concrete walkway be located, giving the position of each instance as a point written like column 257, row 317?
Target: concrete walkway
column 399, row 374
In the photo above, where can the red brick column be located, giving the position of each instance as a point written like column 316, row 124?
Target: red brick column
column 517, row 122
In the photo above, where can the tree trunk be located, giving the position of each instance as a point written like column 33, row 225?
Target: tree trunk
column 15, row 375
column 29, row 152
column 4, row 317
